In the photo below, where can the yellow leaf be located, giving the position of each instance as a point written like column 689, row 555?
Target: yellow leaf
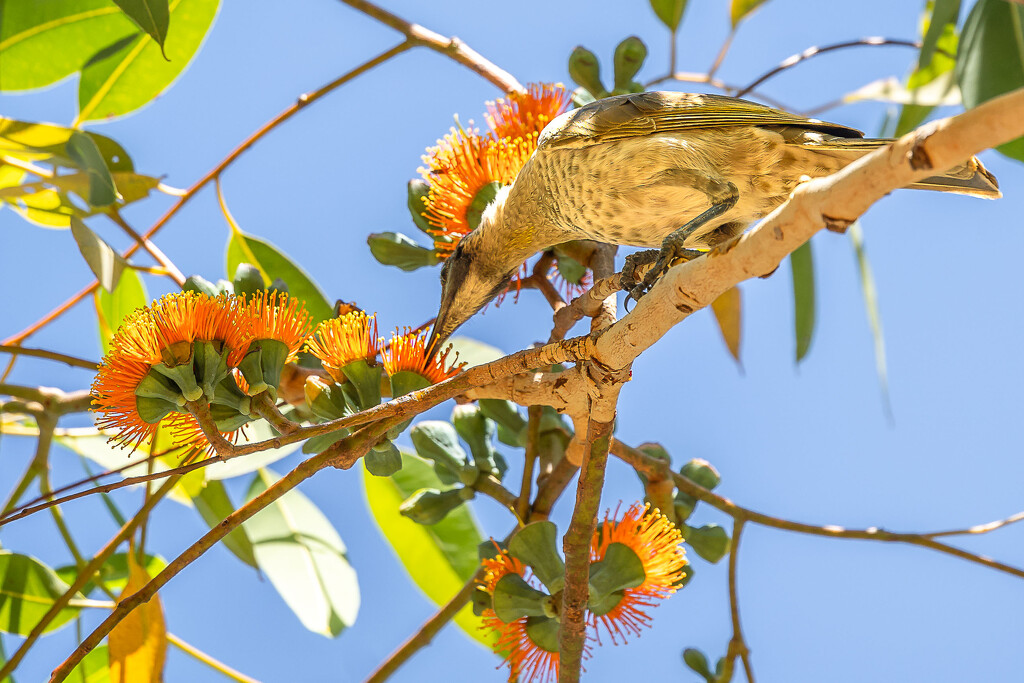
column 138, row 644
column 728, row 310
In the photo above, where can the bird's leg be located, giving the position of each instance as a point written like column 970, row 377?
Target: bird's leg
column 638, row 264
column 723, row 196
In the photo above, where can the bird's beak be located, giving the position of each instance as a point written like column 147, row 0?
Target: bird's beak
column 440, row 332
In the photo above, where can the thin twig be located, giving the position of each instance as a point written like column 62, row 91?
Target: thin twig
column 530, row 457
column 814, row 51
column 51, row 355
column 576, row 548
column 737, row 646
column 722, row 51
column 452, row 48
column 83, row 577
column 301, row 103
column 154, row 251
column 426, row 632
column 208, row 660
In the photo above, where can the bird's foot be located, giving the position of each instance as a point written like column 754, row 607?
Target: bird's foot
column 672, row 252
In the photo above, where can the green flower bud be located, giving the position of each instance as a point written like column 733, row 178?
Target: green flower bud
column 514, row 598
column 320, row 443
column 478, row 431
column 543, row 631
column 683, row 504
column 211, row 365
column 481, row 601
column 326, row 399
column 537, row 545
column 709, row 541
column 404, row 382
column 152, row 410
column 383, row 460
column 430, row 506
column 262, row 365
column 696, row 660
column 489, row 549
column 437, row 441
column 156, row 385
column 365, row 378
column 702, row 473
column 200, row 285
column 248, row 280
column 177, row 366
column 629, row 57
column 228, row 394
column 619, row 569
column 586, row 71
column 227, row 418
column 511, row 425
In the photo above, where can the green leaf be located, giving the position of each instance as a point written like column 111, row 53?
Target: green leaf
column 932, row 76
column 105, row 263
column 439, row 558
column 213, row 504
column 243, row 248
column 802, row 263
column 43, row 42
column 670, row 12
column 741, row 8
column 94, row 667
column 944, row 14
column 46, row 142
column 710, row 541
column 696, row 660
column 113, row 573
column 395, row 249
column 112, row 307
column 152, row 16
column 303, row 556
column 86, row 155
column 28, row 588
column 990, row 61
column 867, row 284
column 129, row 74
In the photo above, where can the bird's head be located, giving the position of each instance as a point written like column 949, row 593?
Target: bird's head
column 481, row 266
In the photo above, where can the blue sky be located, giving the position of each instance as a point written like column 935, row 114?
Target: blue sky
column 810, row 443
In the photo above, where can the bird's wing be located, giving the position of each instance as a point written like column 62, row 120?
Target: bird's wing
column 628, row 116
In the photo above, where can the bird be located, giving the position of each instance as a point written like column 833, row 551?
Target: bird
column 679, row 172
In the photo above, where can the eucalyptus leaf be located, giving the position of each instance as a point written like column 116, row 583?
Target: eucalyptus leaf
column 152, row 16
column 304, row 558
column 28, row 588
column 670, row 12
column 112, row 307
column 105, row 263
column 395, row 249
column 944, row 14
column 213, row 504
column 741, row 8
column 82, row 150
column 801, row 262
column 45, row 142
column 119, row 81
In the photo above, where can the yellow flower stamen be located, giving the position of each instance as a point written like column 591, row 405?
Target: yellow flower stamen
column 349, row 338
column 409, row 352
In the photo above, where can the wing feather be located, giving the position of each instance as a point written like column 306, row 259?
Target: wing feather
column 640, row 114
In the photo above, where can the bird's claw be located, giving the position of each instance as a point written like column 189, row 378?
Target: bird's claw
column 664, row 259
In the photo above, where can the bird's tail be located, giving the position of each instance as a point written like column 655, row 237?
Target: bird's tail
column 970, row 178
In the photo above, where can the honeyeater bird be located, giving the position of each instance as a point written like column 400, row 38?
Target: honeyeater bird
column 678, row 171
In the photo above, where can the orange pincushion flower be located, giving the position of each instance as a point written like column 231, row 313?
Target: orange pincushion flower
column 520, row 114
column 223, row 319
column 658, row 544
column 113, row 392
column 409, row 352
column 345, row 339
column 461, row 166
column 280, row 317
column 528, row 662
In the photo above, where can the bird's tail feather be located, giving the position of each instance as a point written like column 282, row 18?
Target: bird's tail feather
column 970, row 178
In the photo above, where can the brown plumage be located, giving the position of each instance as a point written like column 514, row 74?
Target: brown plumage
column 672, row 170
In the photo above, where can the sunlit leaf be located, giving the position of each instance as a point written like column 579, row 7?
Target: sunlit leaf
column 669, row 11
column 303, row 556
column 86, row 155
column 944, row 14
column 112, row 307
column 728, row 310
column 152, row 16
column 802, row 263
column 439, row 558
column 138, row 643
column 741, row 8
column 213, row 504
column 43, row 42
column 990, row 61
column 106, row 264
column 47, row 142
column 128, row 75
column 28, row 589
column 934, row 76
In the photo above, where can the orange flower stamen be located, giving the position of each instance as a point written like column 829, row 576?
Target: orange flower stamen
column 345, row 339
column 658, row 544
column 520, row 114
column 408, row 352
column 280, row 317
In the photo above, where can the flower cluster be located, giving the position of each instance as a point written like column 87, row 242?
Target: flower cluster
column 635, row 561
column 465, row 170
column 192, row 347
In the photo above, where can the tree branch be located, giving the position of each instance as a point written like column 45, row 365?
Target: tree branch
column 51, row 355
